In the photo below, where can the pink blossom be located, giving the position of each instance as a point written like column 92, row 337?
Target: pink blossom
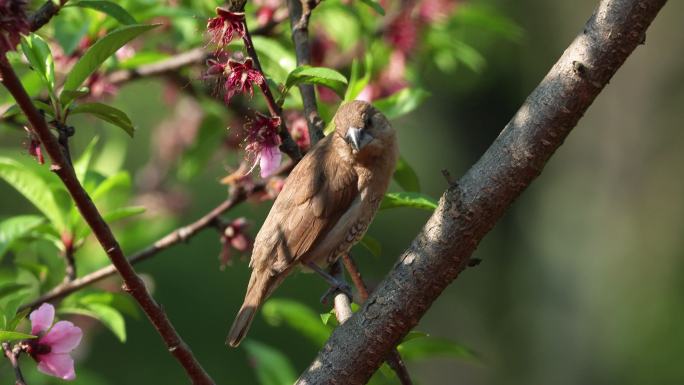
column 431, row 11
column 33, row 147
column 299, row 130
column 52, row 347
column 391, row 80
column 241, row 78
column 234, row 236
column 263, row 142
column 13, row 23
column 227, row 25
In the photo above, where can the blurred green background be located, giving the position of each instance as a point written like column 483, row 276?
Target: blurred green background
column 580, row 281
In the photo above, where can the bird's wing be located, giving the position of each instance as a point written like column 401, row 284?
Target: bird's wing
column 315, row 196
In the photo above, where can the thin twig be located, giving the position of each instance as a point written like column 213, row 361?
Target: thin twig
column 289, row 146
column 13, row 357
column 394, row 359
column 300, row 12
column 132, row 282
column 469, row 210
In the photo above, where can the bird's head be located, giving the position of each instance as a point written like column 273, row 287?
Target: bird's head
column 365, row 129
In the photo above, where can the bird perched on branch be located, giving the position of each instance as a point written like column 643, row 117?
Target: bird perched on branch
column 325, row 206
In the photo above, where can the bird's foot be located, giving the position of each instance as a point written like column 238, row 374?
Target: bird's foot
column 336, row 284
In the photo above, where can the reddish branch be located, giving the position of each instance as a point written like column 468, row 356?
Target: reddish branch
column 13, row 357
column 132, row 282
column 300, row 12
column 470, row 208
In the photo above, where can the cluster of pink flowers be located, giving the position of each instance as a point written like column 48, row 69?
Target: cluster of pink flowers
column 240, row 77
column 13, row 24
column 234, row 237
column 54, row 344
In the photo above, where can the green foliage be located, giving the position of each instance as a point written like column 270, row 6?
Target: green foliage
column 108, row 114
column 9, row 336
column 105, row 307
column 406, row 176
column 296, row 316
column 430, row 347
column 38, row 54
column 99, row 52
column 402, row 102
column 317, row 75
column 110, row 8
column 408, row 199
column 375, row 6
column 272, row 367
column 371, row 244
column 15, row 228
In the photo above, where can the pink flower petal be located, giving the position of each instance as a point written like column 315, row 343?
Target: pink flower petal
column 63, row 337
column 240, row 242
column 269, row 160
column 42, row 318
column 58, row 365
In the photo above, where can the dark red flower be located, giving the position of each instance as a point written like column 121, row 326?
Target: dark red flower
column 234, row 237
column 402, row 33
column 13, row 24
column 240, row 78
column 224, row 27
column 263, row 142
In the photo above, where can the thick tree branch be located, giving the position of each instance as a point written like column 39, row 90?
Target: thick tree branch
column 469, row 209
column 44, row 14
column 300, row 12
column 132, row 282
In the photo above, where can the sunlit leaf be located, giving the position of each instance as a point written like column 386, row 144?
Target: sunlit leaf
column 318, row 75
column 82, row 164
column 110, row 8
column 375, row 6
column 402, row 102
column 32, row 187
column 8, row 336
column 271, row 366
column 15, row 228
column 100, row 51
column 14, row 322
column 107, row 113
column 357, row 82
column 107, row 315
column 119, row 180
column 38, row 54
column 408, row 199
column 406, row 177
column 296, row 316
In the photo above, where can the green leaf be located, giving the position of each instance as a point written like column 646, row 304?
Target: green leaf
column 107, row 315
column 83, row 163
column 15, row 228
column 356, row 82
column 402, row 102
column 119, row 180
column 107, row 113
column 271, row 366
column 6, row 336
column 276, row 54
column 14, row 322
column 11, row 288
column 119, row 301
column 107, row 7
column 317, row 75
column 428, row 347
column 406, row 177
column 68, row 96
column 297, row 316
column 118, row 214
column 372, row 245
column 34, row 188
column 408, row 199
column 38, row 54
column 375, row 5
column 413, row 334
column 100, row 51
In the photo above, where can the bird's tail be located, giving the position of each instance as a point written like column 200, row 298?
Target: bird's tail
column 261, row 285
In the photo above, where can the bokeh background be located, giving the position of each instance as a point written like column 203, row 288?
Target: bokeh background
column 580, row 281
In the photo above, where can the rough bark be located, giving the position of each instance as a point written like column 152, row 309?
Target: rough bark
column 471, row 207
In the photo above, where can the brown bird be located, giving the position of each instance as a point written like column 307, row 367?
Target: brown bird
column 325, row 206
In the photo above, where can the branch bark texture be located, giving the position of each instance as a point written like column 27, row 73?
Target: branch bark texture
column 471, row 207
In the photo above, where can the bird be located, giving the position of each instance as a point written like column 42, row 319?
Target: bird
column 325, row 207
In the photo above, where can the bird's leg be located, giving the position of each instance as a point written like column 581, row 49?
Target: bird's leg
column 335, row 283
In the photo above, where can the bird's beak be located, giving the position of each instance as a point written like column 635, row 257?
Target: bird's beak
column 354, row 138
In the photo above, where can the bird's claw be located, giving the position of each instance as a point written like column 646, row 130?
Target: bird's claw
column 339, row 286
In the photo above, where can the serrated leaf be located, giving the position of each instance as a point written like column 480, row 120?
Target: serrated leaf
column 402, row 102
column 429, row 347
column 107, row 7
column 107, row 315
column 34, row 188
column 408, row 199
column 298, row 317
column 15, row 228
column 271, row 366
column 107, row 113
column 375, row 6
column 8, row 336
column 38, row 54
column 371, row 244
column 406, row 177
column 100, row 51
column 317, row 75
